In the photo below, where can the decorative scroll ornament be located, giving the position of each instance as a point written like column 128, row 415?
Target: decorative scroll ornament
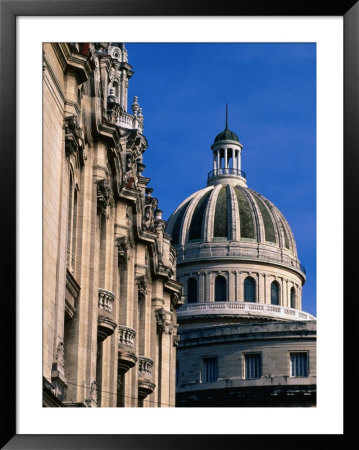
column 164, row 321
column 123, row 244
column 142, row 284
column 103, row 196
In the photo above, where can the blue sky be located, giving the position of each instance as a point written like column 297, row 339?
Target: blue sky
column 271, row 95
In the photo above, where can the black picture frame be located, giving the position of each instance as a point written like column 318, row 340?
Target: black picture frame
column 9, row 10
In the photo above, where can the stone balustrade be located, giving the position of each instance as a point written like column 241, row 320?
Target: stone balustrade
column 145, row 384
column 126, row 120
column 105, row 299
column 145, row 365
column 242, row 308
column 126, row 336
column 237, row 252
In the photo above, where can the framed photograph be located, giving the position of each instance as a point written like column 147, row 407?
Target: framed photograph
column 271, row 77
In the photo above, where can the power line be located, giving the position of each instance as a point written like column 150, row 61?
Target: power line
column 118, row 394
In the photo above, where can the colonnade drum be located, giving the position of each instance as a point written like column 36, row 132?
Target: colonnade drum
column 234, row 245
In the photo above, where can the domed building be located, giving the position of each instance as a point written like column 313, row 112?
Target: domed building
column 244, row 339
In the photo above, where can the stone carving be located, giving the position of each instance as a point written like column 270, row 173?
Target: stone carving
column 176, row 300
column 73, row 135
column 164, row 321
column 149, row 210
column 176, row 340
column 60, row 353
column 123, row 244
column 114, row 109
column 93, row 392
column 101, row 47
column 131, row 179
column 103, row 196
column 142, row 284
column 129, row 214
column 140, row 166
column 135, row 106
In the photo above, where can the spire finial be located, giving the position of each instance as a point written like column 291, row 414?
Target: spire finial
column 226, row 116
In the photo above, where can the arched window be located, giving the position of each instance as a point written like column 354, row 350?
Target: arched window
column 192, row 291
column 292, row 298
column 220, row 289
column 249, row 290
column 274, row 293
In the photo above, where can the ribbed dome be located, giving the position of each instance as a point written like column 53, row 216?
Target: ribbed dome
column 226, row 135
column 218, row 215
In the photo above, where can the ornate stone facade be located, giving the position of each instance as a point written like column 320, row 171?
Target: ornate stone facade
column 110, row 291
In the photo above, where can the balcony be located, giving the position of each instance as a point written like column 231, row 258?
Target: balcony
column 226, row 171
column 106, row 325
column 126, row 356
column 145, row 384
column 241, row 309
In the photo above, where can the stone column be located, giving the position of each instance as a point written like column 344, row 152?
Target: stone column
column 281, row 292
column 207, row 293
column 267, row 282
column 238, row 296
column 211, row 278
column 201, row 287
column 231, row 286
column 261, row 295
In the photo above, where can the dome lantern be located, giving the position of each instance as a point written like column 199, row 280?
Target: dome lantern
column 226, row 150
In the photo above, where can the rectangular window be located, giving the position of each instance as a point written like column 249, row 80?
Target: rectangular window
column 252, row 364
column 299, row 364
column 210, row 370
